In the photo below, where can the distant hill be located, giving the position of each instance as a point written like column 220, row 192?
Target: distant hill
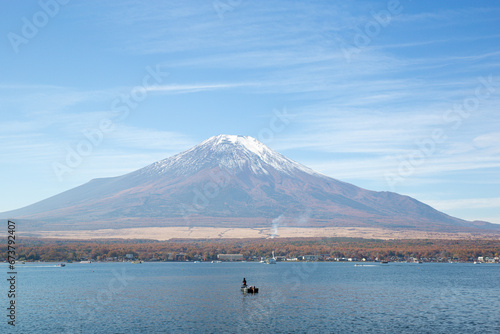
column 232, row 181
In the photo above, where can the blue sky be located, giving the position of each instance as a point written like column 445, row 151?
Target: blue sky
column 388, row 95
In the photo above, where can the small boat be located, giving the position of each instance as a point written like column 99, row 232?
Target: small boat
column 63, row 265
column 249, row 289
column 384, row 262
column 85, row 261
column 137, row 262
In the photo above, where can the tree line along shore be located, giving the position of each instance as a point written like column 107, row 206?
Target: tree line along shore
column 322, row 249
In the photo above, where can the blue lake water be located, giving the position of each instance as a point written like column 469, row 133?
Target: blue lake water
column 293, row 298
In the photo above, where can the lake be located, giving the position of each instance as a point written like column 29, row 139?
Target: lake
column 309, row 297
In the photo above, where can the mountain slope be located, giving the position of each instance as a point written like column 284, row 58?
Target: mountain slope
column 231, row 181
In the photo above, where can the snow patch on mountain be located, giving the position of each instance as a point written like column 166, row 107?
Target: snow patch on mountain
column 231, row 152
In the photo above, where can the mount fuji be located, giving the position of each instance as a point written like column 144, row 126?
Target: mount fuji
column 232, row 181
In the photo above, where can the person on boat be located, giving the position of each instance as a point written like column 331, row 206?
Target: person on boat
column 244, row 282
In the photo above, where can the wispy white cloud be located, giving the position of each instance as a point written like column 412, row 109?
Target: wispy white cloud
column 193, row 88
column 413, row 44
column 470, row 203
column 134, row 138
column 485, row 208
column 17, row 126
column 41, row 103
column 446, row 16
column 434, row 168
column 111, row 162
column 358, row 130
column 490, row 140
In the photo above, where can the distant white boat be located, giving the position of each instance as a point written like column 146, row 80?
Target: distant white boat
column 85, row 261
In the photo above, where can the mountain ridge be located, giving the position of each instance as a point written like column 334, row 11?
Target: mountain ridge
column 231, row 180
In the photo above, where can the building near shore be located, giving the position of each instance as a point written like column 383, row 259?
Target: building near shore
column 230, row 257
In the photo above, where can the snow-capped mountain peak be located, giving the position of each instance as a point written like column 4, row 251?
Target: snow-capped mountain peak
column 249, row 143
column 231, row 152
column 232, row 181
